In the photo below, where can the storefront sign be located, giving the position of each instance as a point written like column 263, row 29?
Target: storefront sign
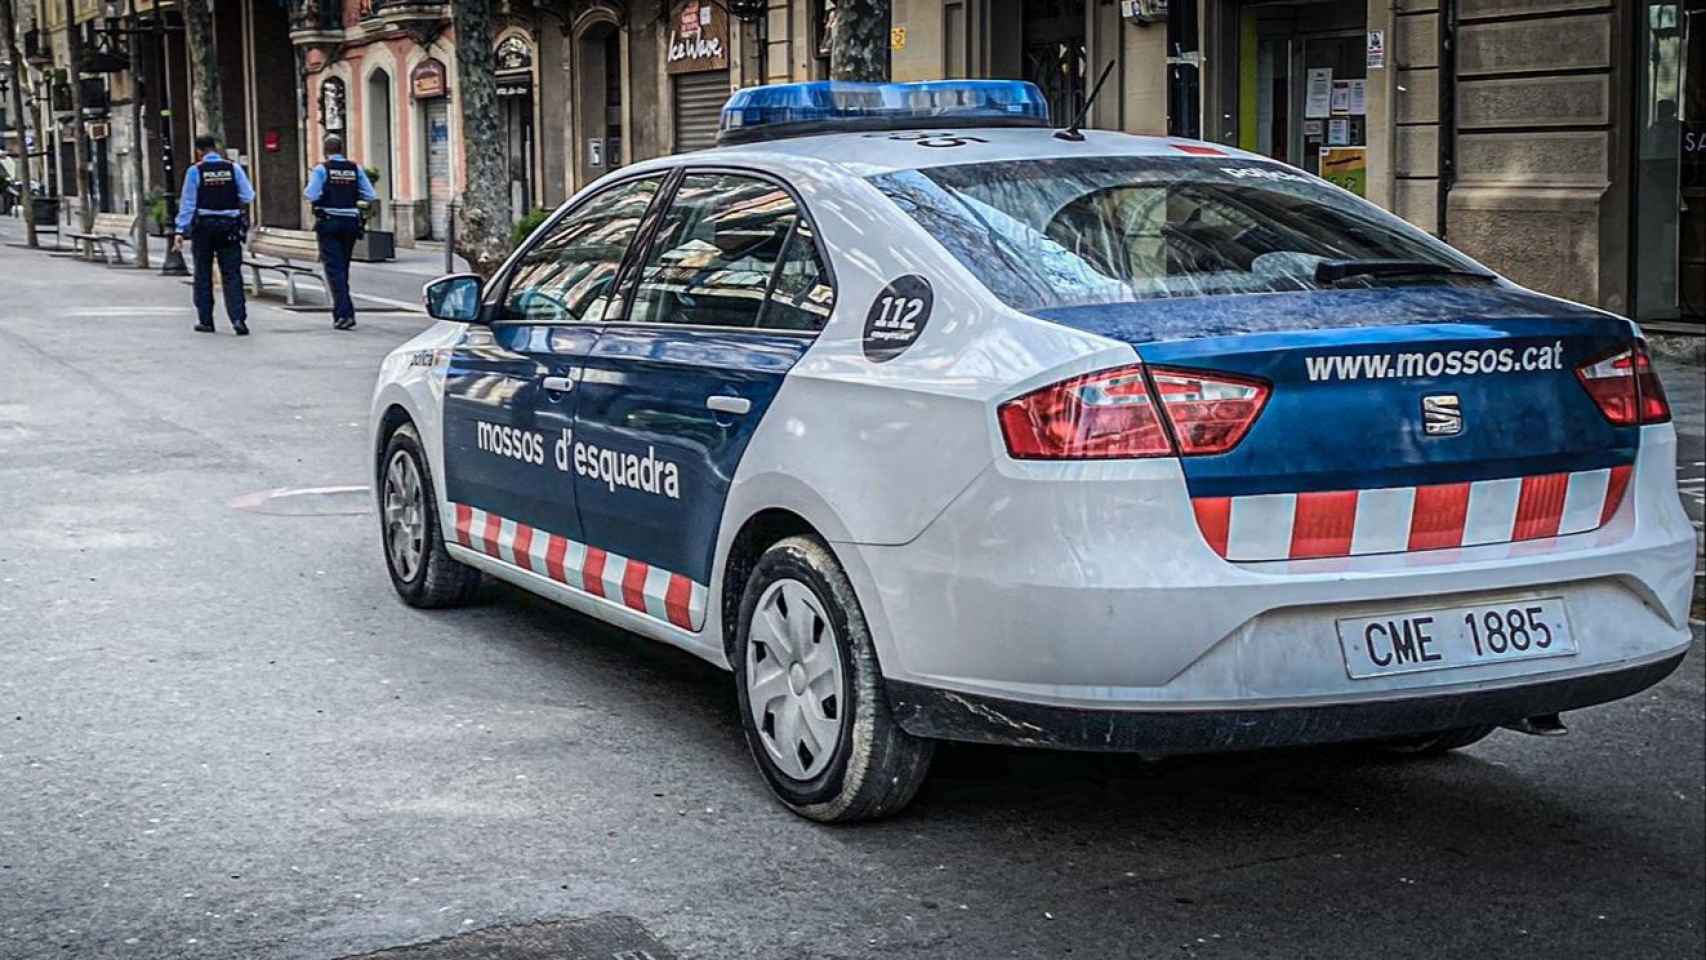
column 1693, row 143
column 1376, row 49
column 429, row 79
column 1346, row 167
column 1359, row 97
column 513, row 55
column 698, row 37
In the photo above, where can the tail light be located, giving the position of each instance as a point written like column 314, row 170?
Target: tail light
column 1113, row 414
column 1626, row 387
column 1209, row 413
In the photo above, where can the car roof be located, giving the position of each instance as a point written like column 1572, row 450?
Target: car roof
column 878, row 152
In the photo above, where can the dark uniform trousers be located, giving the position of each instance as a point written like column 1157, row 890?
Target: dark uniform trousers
column 337, row 244
column 221, row 239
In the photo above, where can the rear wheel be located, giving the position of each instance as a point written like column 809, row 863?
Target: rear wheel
column 422, row 571
column 1435, row 744
column 811, row 692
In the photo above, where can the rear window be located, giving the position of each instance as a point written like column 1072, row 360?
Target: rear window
column 1067, row 232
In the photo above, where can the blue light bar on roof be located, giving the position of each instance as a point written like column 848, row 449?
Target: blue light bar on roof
column 830, row 106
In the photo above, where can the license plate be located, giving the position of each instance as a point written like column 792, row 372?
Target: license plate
column 1455, row 637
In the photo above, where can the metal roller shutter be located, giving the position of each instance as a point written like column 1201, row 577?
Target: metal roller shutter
column 699, row 99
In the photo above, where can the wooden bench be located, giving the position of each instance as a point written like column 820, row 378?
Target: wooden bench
column 110, row 230
column 293, row 250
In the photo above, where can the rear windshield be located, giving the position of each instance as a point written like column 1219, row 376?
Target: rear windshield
column 1066, row 232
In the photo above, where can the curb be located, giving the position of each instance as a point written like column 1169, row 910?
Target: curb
column 1679, row 347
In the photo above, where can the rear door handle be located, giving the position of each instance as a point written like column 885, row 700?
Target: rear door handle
column 559, row 384
column 723, row 404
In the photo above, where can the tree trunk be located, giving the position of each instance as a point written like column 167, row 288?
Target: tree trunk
column 207, row 99
column 859, row 40
column 74, row 39
column 483, row 223
column 138, row 137
column 9, row 37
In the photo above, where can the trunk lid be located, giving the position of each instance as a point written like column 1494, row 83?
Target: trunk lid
column 1357, row 377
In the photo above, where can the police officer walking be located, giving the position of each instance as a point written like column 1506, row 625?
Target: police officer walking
column 213, row 215
column 337, row 188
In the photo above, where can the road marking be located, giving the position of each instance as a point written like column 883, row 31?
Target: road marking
column 261, row 499
column 129, row 311
column 311, row 285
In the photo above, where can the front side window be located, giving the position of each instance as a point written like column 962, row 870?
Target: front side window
column 569, row 276
column 733, row 251
column 1066, row 232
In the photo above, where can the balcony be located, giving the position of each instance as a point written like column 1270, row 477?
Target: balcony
column 316, row 21
column 414, row 16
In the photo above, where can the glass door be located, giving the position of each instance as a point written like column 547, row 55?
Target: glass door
column 1666, row 223
column 1329, row 105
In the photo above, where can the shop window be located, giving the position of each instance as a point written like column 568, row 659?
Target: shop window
column 1669, row 262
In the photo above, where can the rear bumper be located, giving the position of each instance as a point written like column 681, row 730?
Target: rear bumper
column 943, row 714
column 1089, row 587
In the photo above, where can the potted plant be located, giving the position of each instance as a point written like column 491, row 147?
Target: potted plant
column 158, row 213
column 375, row 245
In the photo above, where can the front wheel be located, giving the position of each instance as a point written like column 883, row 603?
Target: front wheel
column 422, row 571
column 811, row 692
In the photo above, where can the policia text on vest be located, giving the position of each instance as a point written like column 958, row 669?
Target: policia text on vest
column 339, row 191
column 213, row 216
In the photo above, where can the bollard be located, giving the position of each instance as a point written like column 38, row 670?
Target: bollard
column 450, row 242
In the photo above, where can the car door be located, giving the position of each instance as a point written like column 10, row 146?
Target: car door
column 509, row 388
column 727, row 298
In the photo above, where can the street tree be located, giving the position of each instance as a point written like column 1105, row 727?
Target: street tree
column 483, row 223
column 15, row 84
column 138, row 193
column 859, row 40
column 74, row 42
column 206, row 96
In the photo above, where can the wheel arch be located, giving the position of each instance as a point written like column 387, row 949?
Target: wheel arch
column 393, row 416
column 762, row 530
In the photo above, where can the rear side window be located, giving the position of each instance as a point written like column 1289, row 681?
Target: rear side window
column 733, row 251
column 1066, row 232
column 568, row 276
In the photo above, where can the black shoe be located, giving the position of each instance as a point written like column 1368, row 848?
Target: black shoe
column 343, row 323
column 241, row 329
column 204, row 328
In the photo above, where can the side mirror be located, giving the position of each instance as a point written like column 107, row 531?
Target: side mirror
column 456, row 298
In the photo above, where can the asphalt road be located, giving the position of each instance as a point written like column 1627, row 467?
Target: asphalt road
column 222, row 736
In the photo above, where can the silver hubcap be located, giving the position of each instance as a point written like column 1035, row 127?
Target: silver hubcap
column 793, row 679
column 405, row 516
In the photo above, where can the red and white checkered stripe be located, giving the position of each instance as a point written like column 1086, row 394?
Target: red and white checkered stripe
column 1344, row 523
column 637, row 586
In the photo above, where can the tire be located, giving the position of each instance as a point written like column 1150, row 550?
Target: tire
column 801, row 639
column 434, row 579
column 1435, row 744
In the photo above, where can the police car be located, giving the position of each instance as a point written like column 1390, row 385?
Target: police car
column 931, row 421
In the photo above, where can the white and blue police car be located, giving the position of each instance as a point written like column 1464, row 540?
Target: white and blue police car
column 931, row 421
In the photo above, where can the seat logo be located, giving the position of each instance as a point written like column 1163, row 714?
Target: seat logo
column 1442, row 415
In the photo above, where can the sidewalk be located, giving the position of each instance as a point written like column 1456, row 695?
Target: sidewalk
column 393, row 285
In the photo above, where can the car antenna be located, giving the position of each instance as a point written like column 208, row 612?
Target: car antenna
column 1071, row 132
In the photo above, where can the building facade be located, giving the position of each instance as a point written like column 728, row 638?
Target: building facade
column 1560, row 141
